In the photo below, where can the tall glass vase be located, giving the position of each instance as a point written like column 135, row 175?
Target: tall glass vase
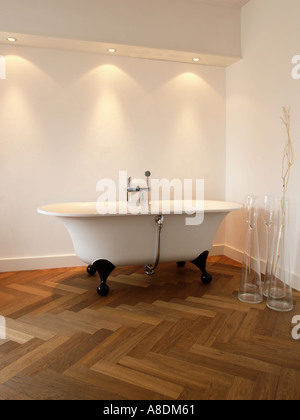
column 250, row 290
column 268, row 218
column 280, row 295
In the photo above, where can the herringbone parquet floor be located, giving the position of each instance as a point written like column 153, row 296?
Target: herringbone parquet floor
column 162, row 337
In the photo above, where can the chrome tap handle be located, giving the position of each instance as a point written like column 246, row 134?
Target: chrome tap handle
column 135, row 189
column 147, row 174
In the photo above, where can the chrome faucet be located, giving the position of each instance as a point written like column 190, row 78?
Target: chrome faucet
column 138, row 188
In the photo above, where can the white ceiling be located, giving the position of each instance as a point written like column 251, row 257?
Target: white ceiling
column 235, row 3
column 130, row 50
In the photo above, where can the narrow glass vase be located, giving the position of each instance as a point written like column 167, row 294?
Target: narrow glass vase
column 280, row 295
column 268, row 218
column 250, row 290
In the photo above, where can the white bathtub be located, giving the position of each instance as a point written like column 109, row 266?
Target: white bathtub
column 105, row 241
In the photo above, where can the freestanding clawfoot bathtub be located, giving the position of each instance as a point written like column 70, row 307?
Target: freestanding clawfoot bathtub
column 104, row 241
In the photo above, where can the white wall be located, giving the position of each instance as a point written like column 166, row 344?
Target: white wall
column 69, row 119
column 257, row 89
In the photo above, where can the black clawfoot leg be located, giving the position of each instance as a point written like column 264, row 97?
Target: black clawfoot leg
column 91, row 269
column 104, row 268
column 181, row 263
column 200, row 262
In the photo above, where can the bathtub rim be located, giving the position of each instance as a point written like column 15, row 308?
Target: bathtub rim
column 89, row 209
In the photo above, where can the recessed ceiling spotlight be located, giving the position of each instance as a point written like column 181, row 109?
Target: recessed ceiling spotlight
column 11, row 39
column 196, row 59
column 112, row 50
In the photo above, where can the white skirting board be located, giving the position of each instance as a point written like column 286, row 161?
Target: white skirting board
column 58, row 261
column 39, row 263
column 71, row 260
column 237, row 255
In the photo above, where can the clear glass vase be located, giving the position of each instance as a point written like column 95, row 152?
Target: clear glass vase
column 280, row 294
column 268, row 213
column 250, row 290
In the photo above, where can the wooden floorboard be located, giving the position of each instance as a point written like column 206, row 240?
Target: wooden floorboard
column 167, row 336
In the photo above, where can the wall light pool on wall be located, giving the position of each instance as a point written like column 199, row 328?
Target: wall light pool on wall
column 2, row 68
